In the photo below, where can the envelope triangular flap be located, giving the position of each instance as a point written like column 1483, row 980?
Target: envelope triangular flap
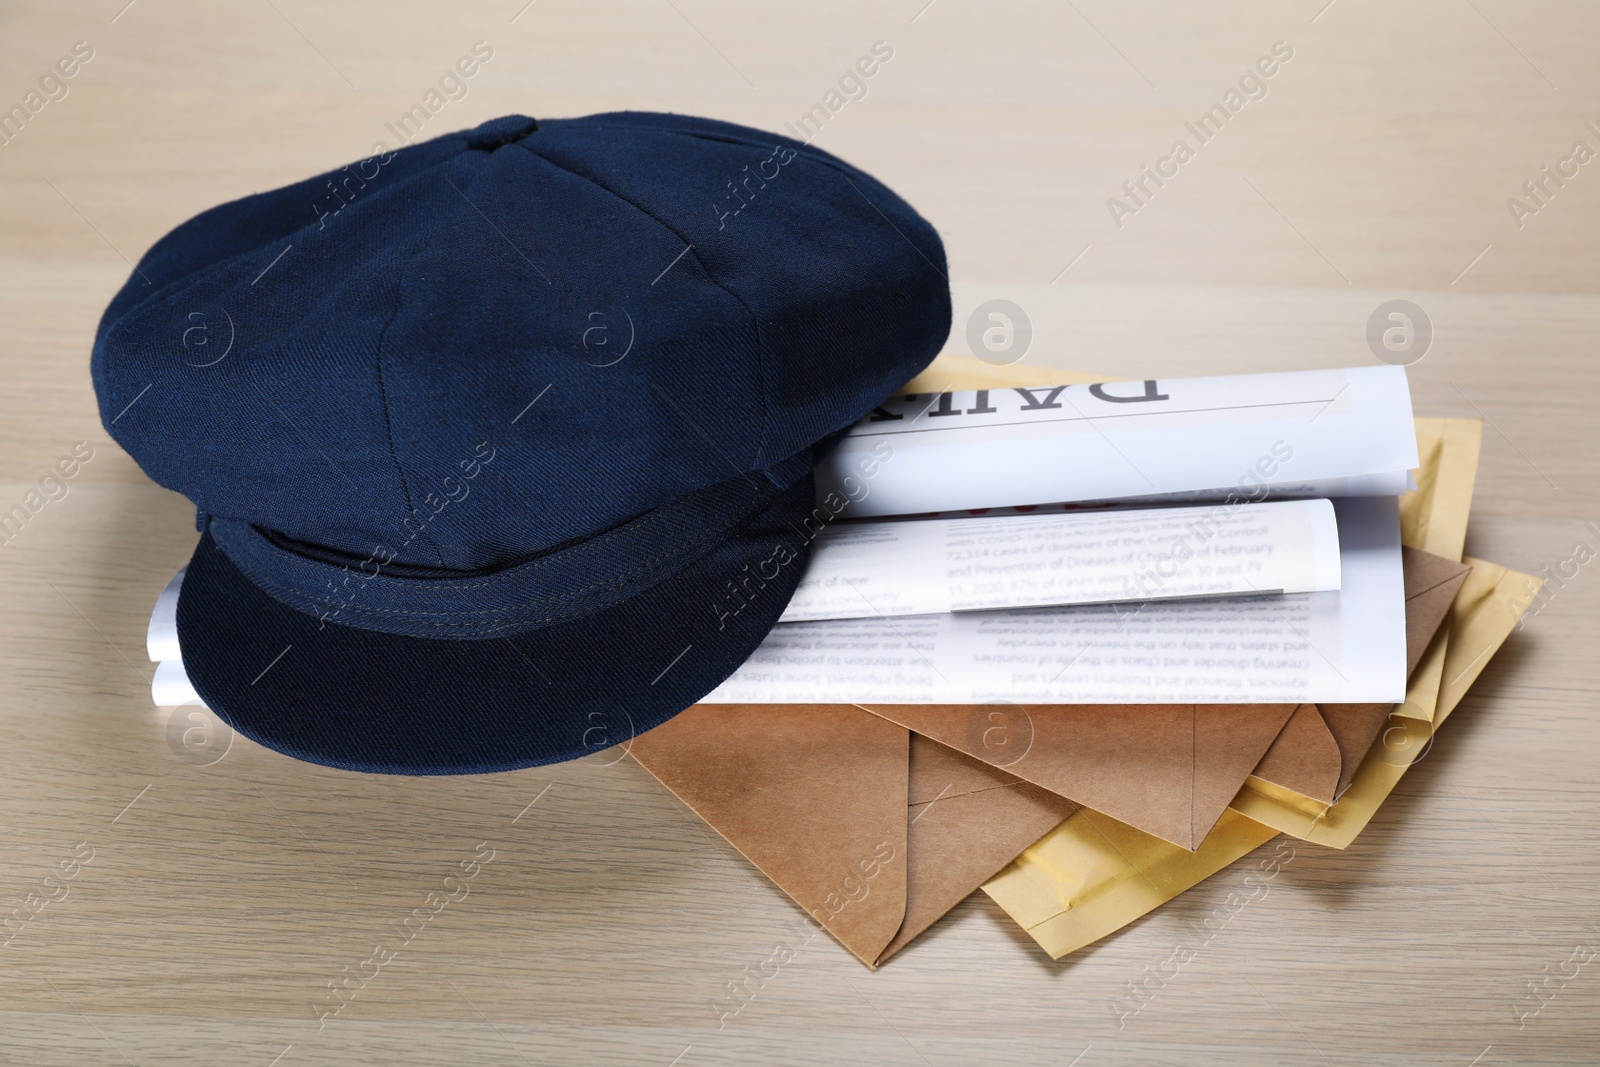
column 1355, row 727
column 1306, row 757
column 1230, row 740
column 1431, row 585
column 976, row 820
column 813, row 794
column 939, row 773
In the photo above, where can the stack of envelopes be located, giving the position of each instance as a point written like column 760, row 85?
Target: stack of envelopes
column 1076, row 819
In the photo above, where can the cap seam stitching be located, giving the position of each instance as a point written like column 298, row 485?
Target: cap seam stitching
column 194, row 275
column 644, row 522
column 267, row 583
column 388, row 419
column 607, row 584
column 755, row 321
column 805, row 148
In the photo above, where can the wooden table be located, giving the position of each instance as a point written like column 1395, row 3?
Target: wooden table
column 211, row 904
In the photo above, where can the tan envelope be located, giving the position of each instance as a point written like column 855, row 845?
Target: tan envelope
column 1431, row 585
column 964, row 816
column 872, row 830
column 1306, row 757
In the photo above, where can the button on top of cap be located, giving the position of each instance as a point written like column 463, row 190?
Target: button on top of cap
column 500, row 131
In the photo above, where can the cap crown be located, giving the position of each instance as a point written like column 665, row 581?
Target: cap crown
column 496, row 343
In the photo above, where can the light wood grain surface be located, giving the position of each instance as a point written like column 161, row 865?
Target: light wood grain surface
column 219, row 900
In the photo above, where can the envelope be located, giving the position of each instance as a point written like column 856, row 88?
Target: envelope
column 1319, row 749
column 1434, row 519
column 872, row 830
column 950, row 371
column 1092, row 875
column 1434, row 516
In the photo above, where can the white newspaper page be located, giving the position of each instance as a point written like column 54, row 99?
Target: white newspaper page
column 1336, row 647
column 1304, row 433
column 161, row 641
column 171, row 686
column 925, row 566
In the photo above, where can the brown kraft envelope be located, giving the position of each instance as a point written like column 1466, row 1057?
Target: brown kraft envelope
column 875, row 832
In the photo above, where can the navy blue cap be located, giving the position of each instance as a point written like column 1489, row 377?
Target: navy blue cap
column 502, row 442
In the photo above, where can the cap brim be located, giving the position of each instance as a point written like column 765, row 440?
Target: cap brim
column 383, row 703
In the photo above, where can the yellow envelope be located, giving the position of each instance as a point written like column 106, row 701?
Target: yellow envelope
column 1434, row 519
column 949, row 371
column 1092, row 875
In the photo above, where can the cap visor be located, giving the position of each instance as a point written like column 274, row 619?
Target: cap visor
column 363, row 700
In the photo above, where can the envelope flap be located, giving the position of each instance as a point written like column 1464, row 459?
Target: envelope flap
column 980, row 819
column 1424, row 570
column 1230, row 740
column 1431, row 586
column 1305, row 757
column 1354, row 727
column 813, row 794
column 939, row 772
